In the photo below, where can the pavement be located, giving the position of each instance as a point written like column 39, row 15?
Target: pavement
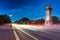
column 31, row 33
column 6, row 32
column 28, row 32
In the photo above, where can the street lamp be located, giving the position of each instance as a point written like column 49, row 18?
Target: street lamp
column 11, row 20
column 10, row 15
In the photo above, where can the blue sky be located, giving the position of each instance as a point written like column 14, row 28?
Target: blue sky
column 32, row 9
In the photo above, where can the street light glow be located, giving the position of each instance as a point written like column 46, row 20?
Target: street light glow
column 10, row 15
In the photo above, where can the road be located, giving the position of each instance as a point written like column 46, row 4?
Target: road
column 28, row 32
column 37, row 34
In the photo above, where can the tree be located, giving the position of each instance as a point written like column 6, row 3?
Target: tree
column 55, row 20
column 41, row 21
column 4, row 19
column 24, row 20
column 17, row 21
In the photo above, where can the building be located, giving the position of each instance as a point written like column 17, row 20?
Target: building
column 48, row 20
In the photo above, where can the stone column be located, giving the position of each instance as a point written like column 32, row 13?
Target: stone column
column 48, row 20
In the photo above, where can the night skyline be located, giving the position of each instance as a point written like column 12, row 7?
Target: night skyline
column 32, row 9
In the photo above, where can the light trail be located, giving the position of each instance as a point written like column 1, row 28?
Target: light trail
column 37, row 28
column 30, row 27
column 47, row 30
column 17, row 27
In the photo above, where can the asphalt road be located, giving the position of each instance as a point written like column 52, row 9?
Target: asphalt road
column 47, row 34
column 44, row 35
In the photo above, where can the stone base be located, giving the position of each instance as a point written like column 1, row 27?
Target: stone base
column 48, row 24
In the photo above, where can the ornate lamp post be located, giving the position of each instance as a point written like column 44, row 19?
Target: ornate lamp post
column 11, row 20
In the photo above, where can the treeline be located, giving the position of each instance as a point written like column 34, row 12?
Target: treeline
column 25, row 20
column 4, row 19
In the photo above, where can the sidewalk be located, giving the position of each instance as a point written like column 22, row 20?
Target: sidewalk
column 6, row 33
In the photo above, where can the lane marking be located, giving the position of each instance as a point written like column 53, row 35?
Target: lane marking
column 54, row 30
column 16, row 35
column 26, row 33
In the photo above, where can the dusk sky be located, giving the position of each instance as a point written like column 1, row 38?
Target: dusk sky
column 32, row 9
